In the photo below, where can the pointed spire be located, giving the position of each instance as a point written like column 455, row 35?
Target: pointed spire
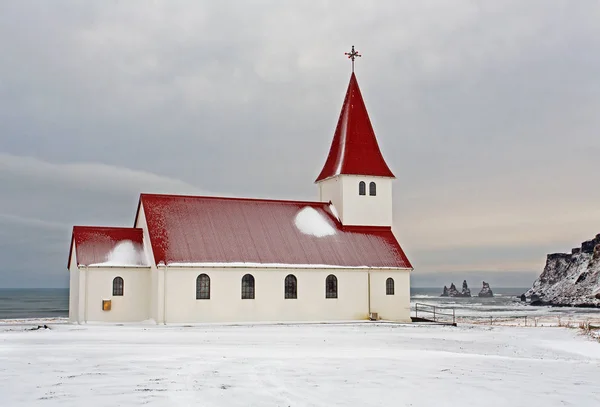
column 354, row 149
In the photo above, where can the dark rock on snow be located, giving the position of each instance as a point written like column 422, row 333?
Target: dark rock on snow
column 486, row 291
column 570, row 279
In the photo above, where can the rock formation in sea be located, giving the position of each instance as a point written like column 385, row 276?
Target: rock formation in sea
column 570, row 279
column 486, row 291
column 453, row 292
column 466, row 292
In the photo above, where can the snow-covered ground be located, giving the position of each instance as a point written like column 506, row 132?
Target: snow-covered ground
column 354, row 364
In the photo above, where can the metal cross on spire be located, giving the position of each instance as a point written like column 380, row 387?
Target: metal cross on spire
column 352, row 55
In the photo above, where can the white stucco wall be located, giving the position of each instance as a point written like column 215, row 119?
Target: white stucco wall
column 156, row 291
column 73, row 287
column 391, row 307
column 132, row 306
column 226, row 305
column 355, row 209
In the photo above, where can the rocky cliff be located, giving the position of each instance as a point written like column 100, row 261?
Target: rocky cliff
column 570, row 279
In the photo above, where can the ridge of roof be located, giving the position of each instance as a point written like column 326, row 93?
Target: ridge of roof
column 113, row 228
column 281, row 201
column 354, row 149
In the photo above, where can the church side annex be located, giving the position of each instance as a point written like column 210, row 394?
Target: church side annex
column 196, row 259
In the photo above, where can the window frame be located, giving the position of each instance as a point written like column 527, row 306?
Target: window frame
column 362, row 188
column 118, row 286
column 331, row 286
column 290, row 287
column 390, row 286
column 203, row 287
column 372, row 188
column 248, row 287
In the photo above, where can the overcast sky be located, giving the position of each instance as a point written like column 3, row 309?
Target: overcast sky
column 487, row 112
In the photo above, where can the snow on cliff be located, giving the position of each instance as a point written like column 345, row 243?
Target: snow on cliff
column 570, row 279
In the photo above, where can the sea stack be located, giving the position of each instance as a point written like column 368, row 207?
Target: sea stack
column 453, row 292
column 466, row 292
column 486, row 291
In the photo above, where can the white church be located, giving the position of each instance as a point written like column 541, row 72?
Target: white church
column 196, row 259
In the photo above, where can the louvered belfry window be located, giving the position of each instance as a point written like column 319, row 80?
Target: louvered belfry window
column 372, row 189
column 118, row 286
column 331, row 287
column 248, row 287
column 203, row 287
column 362, row 188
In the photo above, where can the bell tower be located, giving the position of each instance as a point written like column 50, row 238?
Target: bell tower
column 355, row 177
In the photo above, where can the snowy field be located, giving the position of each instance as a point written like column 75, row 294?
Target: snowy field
column 354, row 364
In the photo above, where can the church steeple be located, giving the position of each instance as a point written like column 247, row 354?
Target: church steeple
column 354, row 149
column 355, row 177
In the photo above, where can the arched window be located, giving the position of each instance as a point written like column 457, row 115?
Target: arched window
column 331, row 286
column 291, row 287
column 362, row 188
column 203, row 287
column 118, row 286
column 389, row 286
column 372, row 189
column 248, row 287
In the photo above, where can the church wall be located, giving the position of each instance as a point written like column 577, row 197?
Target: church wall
column 331, row 190
column 365, row 209
column 73, row 287
column 132, row 306
column 225, row 303
column 155, row 292
column 391, row 307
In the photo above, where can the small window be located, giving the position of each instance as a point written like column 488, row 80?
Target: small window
column 118, row 286
column 248, row 287
column 203, row 287
column 372, row 189
column 362, row 188
column 331, row 286
column 389, row 286
column 291, row 287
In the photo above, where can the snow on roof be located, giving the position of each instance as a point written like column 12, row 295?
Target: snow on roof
column 354, row 149
column 310, row 222
column 108, row 246
column 124, row 254
column 197, row 230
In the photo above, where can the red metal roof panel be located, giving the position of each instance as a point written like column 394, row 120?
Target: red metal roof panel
column 197, row 229
column 94, row 244
column 354, row 149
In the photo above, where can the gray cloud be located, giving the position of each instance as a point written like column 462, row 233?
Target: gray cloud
column 487, row 113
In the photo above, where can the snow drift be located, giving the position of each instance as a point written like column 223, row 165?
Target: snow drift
column 310, row 222
column 126, row 253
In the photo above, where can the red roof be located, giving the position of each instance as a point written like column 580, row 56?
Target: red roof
column 198, row 229
column 93, row 244
column 354, row 149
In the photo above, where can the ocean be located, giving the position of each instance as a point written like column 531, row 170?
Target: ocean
column 34, row 303
column 26, row 303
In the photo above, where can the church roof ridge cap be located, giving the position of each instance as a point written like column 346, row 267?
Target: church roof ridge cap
column 284, row 201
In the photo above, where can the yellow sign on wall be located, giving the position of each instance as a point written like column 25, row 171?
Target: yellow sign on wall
column 106, row 304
